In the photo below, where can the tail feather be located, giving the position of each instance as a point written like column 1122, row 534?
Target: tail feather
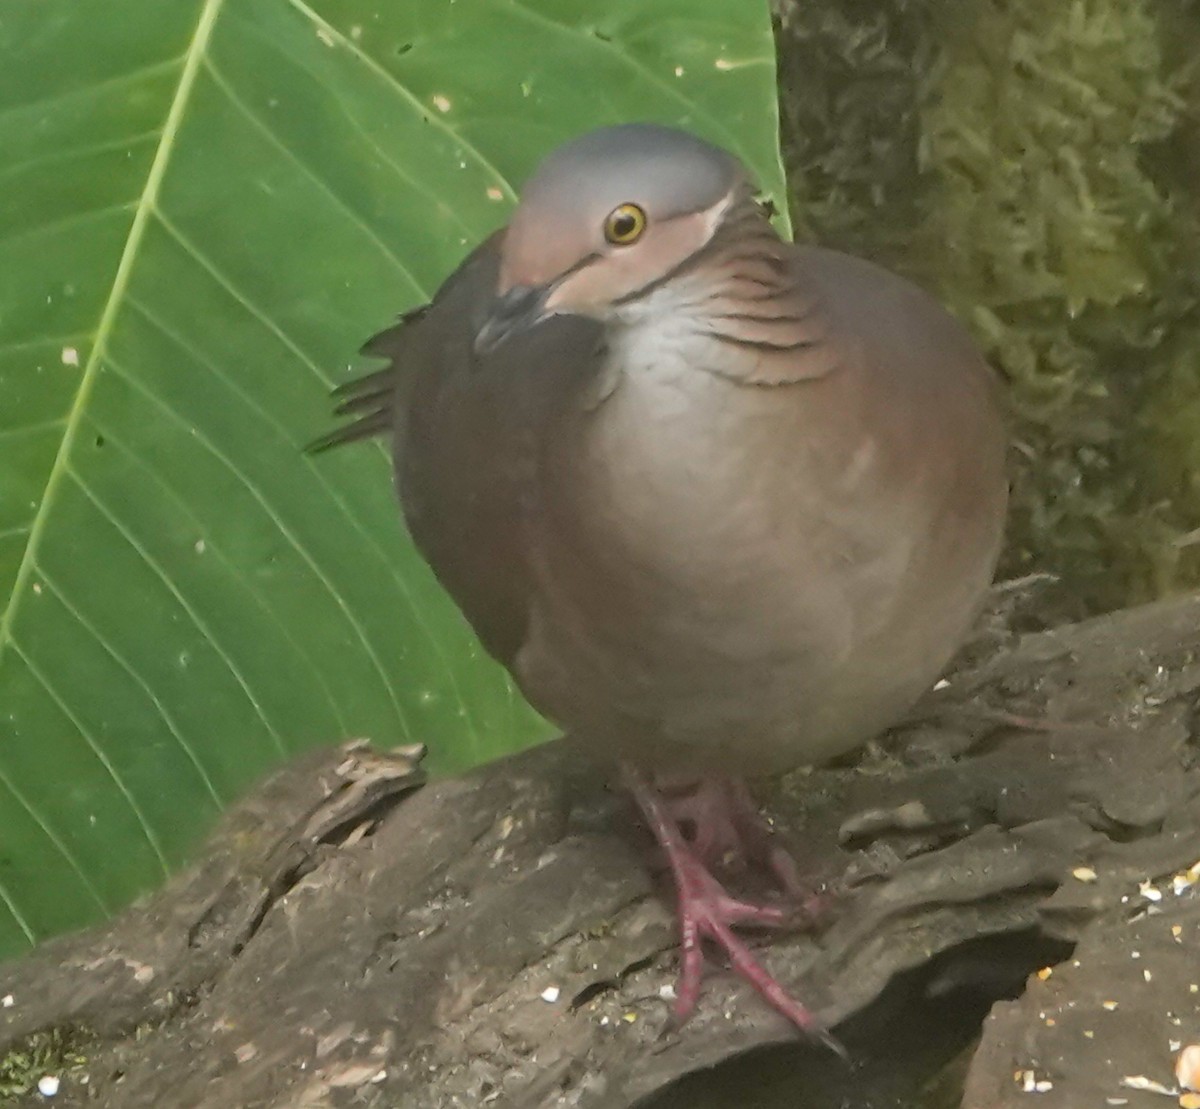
column 372, row 398
column 366, row 427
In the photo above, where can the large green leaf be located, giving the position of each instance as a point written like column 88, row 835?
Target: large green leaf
column 207, row 206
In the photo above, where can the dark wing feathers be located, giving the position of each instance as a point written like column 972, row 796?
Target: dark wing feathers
column 459, row 457
column 371, row 399
column 384, row 343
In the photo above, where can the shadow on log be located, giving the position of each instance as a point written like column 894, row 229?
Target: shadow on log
column 355, row 936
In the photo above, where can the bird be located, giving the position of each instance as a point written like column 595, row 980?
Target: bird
column 723, row 505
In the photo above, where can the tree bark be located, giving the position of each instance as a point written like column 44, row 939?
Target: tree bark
column 356, row 936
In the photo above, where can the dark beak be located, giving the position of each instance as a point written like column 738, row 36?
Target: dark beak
column 513, row 312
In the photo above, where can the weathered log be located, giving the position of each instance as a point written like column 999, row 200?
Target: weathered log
column 356, row 936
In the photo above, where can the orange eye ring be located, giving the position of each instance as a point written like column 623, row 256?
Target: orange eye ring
column 624, row 225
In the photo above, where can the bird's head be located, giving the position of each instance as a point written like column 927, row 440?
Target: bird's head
column 607, row 218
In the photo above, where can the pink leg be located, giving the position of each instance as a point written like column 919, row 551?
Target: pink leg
column 708, row 808
column 706, row 910
column 762, row 844
column 727, row 830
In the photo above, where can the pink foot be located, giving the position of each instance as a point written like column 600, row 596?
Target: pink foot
column 707, row 911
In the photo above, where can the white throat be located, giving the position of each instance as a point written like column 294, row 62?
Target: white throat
column 668, row 326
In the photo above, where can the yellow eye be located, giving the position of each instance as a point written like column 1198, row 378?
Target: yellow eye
column 624, row 224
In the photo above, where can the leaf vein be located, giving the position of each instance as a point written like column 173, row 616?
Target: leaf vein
column 630, row 62
column 69, row 220
column 231, row 93
column 292, row 539
column 352, row 518
column 53, row 340
column 32, row 429
column 431, row 118
column 85, row 91
column 153, row 565
column 16, row 914
column 110, row 650
column 96, row 750
column 54, row 157
column 235, row 571
column 417, row 186
column 112, row 306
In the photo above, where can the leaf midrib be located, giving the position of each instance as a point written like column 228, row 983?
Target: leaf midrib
column 192, row 59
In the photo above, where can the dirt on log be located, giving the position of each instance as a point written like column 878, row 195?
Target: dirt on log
column 357, row 936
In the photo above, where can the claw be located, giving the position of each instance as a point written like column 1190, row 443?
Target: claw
column 707, row 911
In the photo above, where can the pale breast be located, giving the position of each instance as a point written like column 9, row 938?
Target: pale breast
column 759, row 572
column 689, row 574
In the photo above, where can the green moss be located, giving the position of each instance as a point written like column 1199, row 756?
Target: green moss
column 1054, row 240
column 1039, row 172
column 852, row 82
column 57, row 1052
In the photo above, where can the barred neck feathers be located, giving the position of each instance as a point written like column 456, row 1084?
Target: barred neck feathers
column 735, row 308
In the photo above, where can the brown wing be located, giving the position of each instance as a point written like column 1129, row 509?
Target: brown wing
column 465, row 439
